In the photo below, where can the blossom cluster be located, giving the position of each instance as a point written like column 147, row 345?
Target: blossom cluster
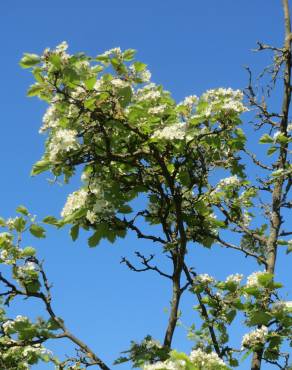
column 199, row 358
column 255, row 338
column 61, row 142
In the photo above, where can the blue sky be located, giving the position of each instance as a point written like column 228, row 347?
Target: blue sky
column 190, row 46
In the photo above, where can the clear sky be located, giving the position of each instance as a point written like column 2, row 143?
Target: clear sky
column 190, row 46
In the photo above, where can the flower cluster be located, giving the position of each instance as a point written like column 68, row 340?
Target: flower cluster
column 234, row 278
column 171, row 132
column 226, row 101
column 252, row 280
column 204, row 279
column 74, row 202
column 206, row 361
column 61, row 142
column 255, row 338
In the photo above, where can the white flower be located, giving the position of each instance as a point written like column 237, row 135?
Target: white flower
column 91, row 217
column 145, row 75
column 234, row 278
column 157, row 110
column 289, row 127
column 204, row 278
column 254, row 338
column 62, row 47
column 246, row 218
column 74, row 202
column 252, row 280
column 189, row 101
column 50, row 119
column 4, row 254
column 206, row 361
column 119, row 83
column 62, row 141
column 232, row 180
column 171, row 132
column 143, row 95
column 112, row 51
column 7, row 325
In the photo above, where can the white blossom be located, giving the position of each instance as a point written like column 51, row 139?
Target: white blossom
column 91, row 217
column 255, row 337
column 252, row 280
column 232, row 180
column 119, row 83
column 157, row 110
column 246, row 218
column 289, row 127
column 204, row 278
column 234, row 278
column 63, row 140
column 62, row 47
column 146, row 95
column 50, row 118
column 112, row 51
column 145, row 75
column 206, row 361
column 74, row 202
column 171, row 132
column 189, row 101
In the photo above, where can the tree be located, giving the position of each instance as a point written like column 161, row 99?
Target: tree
column 131, row 141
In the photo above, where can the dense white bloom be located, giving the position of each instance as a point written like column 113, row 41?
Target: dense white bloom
column 50, row 119
column 74, row 202
column 7, row 325
column 232, row 180
column 246, row 218
column 166, row 365
column 91, row 217
column 206, row 361
column 62, row 47
column 174, row 131
column 112, row 51
column 24, row 271
column 119, row 83
column 255, row 337
column 282, row 306
column 145, row 75
column 4, row 254
column 252, row 280
column 157, row 110
column 204, row 278
column 143, row 95
column 234, row 278
column 223, row 101
column 11, row 222
column 189, row 101
column 62, row 141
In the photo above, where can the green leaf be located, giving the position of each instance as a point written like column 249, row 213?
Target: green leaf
column 266, row 139
column 271, row 150
column 139, row 67
column 265, row 279
column 29, row 60
column 34, row 90
column 259, row 318
column 94, row 239
column 19, row 224
column 90, row 83
column 125, row 94
column 39, row 167
column 74, row 232
column 23, row 210
column 289, row 249
column 37, row 231
column 28, row 251
column 129, row 54
column 50, row 220
column 55, row 60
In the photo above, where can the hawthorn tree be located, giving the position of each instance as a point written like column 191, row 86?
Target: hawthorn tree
column 131, row 140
